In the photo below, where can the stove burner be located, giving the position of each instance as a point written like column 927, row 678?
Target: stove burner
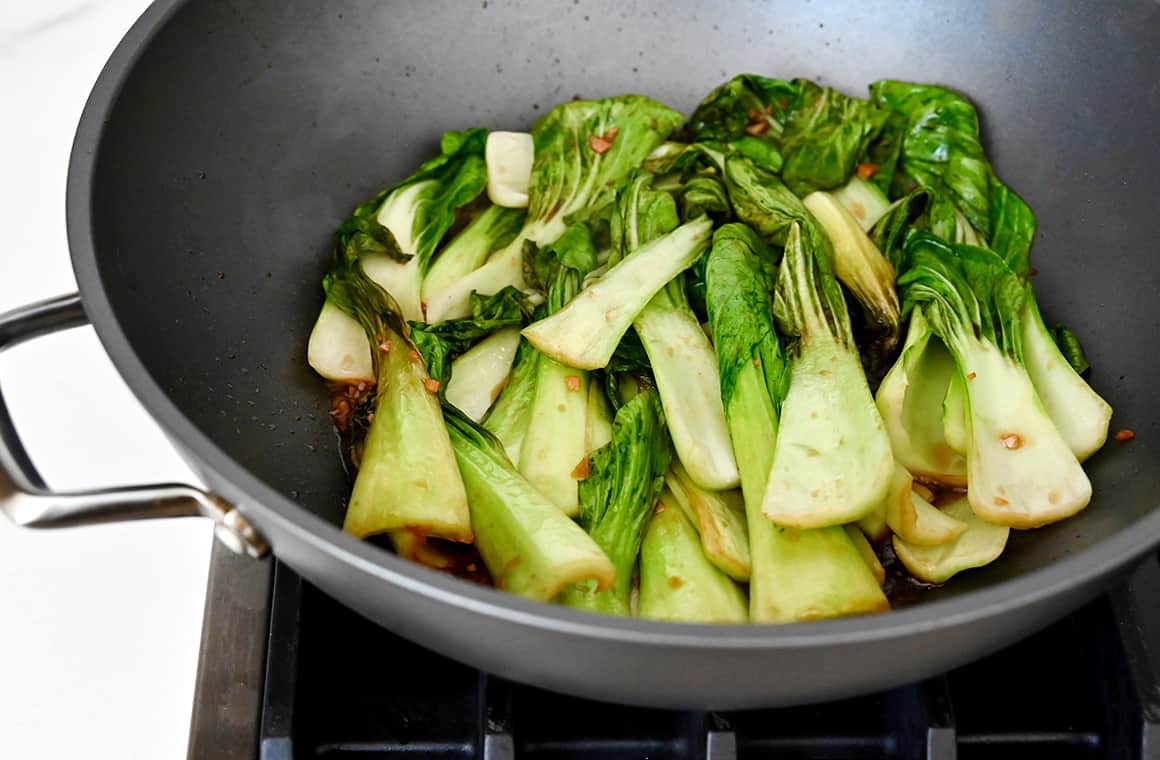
column 337, row 686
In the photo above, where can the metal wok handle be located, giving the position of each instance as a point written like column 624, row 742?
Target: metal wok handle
column 25, row 498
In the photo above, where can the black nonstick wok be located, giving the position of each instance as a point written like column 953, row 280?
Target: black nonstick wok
column 224, row 141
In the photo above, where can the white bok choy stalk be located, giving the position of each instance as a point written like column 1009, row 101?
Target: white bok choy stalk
column 530, row 547
column 555, row 441
column 683, row 361
column 407, row 477
column 509, row 157
column 395, row 235
column 795, row 574
column 1020, row 471
column 678, row 582
column 586, row 332
column 583, row 151
column 832, row 463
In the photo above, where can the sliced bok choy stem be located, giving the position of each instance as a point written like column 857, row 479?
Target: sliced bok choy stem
column 794, row 575
column 478, row 375
column 529, row 546
column 338, row 341
column 338, row 348
column 509, row 158
column 979, row 544
column 910, row 400
column 685, row 368
column 719, row 517
column 678, row 583
column 502, row 268
column 553, row 452
column 862, row 544
column 863, row 201
column 832, row 463
column 873, row 526
column 861, row 267
column 598, row 424
column 493, row 229
column 407, row 478
column 402, row 278
column 508, row 417
column 817, row 574
column 1020, row 471
column 1078, row 412
column 914, row 519
column 585, row 333
column 955, row 416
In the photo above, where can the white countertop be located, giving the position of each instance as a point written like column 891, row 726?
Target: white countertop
column 99, row 627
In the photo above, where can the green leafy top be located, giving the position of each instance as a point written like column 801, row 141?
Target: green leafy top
column 701, row 195
column 624, row 479
column 640, row 215
column 762, row 201
column 1012, row 228
column 450, row 180
column 628, row 368
column 1070, row 347
column 826, row 134
column 558, row 270
column 814, row 136
column 692, row 173
column 808, row 299
column 738, row 276
column 883, row 152
column 704, row 195
column 684, row 160
column 964, row 291
column 740, row 106
column 745, row 116
column 440, row 343
column 586, row 148
column 941, row 150
column 893, row 228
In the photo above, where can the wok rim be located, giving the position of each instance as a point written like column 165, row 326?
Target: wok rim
column 267, row 505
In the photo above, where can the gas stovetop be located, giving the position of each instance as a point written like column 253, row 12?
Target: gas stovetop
column 289, row 673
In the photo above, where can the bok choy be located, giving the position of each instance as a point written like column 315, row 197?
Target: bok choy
column 583, row 151
column 1020, row 471
column 618, row 495
column 407, row 478
column 710, row 372
column 795, row 574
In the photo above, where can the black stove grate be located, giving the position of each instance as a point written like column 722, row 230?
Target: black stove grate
column 340, row 687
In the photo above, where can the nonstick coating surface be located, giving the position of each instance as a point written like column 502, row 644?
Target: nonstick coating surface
column 225, row 141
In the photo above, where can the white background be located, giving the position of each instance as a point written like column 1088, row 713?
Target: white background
column 99, row 627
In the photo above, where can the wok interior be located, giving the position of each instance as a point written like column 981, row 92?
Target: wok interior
column 247, row 132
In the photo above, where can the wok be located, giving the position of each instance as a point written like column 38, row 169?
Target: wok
column 223, row 143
